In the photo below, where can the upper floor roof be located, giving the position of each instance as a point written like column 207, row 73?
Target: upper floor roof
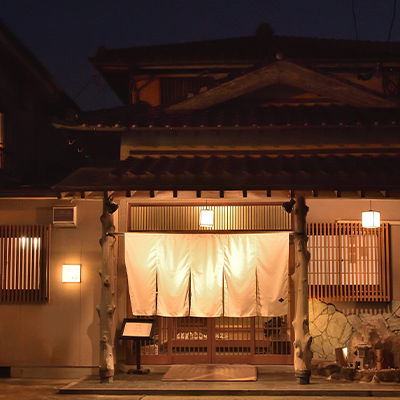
column 365, row 64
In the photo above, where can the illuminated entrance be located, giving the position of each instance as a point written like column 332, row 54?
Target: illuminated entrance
column 221, row 339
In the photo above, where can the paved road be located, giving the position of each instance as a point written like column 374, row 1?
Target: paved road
column 47, row 389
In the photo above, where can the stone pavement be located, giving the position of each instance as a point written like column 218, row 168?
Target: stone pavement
column 273, row 380
column 273, row 383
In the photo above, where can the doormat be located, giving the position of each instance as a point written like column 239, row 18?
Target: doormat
column 212, row 373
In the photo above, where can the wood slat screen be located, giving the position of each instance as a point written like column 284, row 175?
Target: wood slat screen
column 186, row 218
column 349, row 262
column 178, row 88
column 24, row 264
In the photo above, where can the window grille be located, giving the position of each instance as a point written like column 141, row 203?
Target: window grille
column 186, row 218
column 348, row 262
column 24, row 264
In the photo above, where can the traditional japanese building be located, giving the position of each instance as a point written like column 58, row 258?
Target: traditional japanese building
column 241, row 127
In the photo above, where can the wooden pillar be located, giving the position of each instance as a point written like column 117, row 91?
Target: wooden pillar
column 302, row 337
column 107, row 306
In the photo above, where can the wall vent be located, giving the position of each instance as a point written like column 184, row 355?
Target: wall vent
column 64, row 217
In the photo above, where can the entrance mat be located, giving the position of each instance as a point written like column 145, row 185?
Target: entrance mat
column 211, row 373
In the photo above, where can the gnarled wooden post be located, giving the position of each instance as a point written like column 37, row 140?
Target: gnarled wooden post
column 302, row 337
column 106, row 307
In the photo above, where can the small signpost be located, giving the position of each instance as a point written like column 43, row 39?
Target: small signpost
column 137, row 329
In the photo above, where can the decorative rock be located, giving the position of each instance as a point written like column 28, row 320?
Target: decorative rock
column 316, row 346
column 396, row 307
column 365, row 375
column 329, row 349
column 392, row 347
column 314, row 331
column 364, row 316
column 336, row 325
column 354, row 320
column 311, row 310
column 394, row 323
column 328, row 369
column 335, row 377
column 321, row 322
column 348, row 374
column 319, row 308
column 392, row 308
column 331, row 309
column 346, row 335
column 330, row 329
column 388, row 375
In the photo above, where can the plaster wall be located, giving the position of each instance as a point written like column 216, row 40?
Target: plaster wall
column 65, row 332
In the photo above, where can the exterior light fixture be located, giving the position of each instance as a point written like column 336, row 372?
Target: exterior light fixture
column 288, row 205
column 371, row 219
column 206, row 217
column 71, row 273
column 111, row 206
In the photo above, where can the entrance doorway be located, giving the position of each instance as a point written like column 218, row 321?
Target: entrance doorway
column 225, row 340
column 221, row 340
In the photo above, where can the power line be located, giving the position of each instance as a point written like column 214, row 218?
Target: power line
column 87, row 84
column 393, row 17
column 354, row 19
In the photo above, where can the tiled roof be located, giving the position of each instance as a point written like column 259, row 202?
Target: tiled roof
column 232, row 115
column 299, row 172
column 249, row 49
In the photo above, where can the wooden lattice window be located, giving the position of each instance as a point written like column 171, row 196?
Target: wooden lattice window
column 24, row 264
column 348, row 262
column 2, row 140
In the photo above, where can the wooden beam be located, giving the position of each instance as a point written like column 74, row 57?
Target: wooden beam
column 291, row 74
column 241, row 85
column 331, row 86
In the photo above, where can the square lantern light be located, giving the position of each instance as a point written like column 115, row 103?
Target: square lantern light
column 207, row 218
column 71, row 273
column 371, row 219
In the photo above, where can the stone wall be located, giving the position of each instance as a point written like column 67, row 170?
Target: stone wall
column 330, row 329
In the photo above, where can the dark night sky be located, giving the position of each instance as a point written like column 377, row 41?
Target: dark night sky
column 63, row 33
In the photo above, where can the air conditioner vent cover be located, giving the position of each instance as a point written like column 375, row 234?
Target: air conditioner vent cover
column 64, row 216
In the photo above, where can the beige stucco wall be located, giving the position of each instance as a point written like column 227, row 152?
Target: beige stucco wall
column 65, row 332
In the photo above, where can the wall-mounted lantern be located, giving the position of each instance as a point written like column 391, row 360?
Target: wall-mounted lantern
column 71, row 273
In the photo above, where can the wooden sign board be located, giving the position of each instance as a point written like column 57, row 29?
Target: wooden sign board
column 137, row 328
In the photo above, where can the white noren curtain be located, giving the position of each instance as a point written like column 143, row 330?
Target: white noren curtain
column 235, row 275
